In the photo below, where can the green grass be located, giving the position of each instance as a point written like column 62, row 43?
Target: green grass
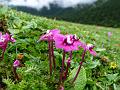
column 35, row 75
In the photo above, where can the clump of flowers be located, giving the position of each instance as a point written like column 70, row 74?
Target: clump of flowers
column 49, row 36
column 4, row 39
column 68, row 43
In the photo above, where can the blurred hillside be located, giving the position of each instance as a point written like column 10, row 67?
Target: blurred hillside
column 102, row 12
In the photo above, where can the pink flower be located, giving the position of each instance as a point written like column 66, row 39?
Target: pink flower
column 61, row 87
column 16, row 63
column 109, row 34
column 90, row 47
column 4, row 39
column 67, row 42
column 49, row 35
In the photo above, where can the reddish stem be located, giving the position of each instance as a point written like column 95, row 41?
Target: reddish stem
column 52, row 49
column 79, row 68
column 3, row 54
column 15, row 73
column 62, row 69
column 68, row 65
column 50, row 61
column 3, row 51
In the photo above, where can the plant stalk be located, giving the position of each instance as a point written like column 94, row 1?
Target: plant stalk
column 3, row 54
column 68, row 65
column 62, row 69
column 50, row 61
column 53, row 57
column 79, row 68
column 15, row 73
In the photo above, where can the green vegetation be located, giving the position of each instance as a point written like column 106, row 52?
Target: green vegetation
column 102, row 13
column 98, row 73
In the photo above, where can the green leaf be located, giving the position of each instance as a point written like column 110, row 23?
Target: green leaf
column 117, row 87
column 100, row 49
column 93, row 64
column 112, row 77
column 58, row 58
column 81, row 79
column 3, row 9
column 14, row 31
column 30, row 25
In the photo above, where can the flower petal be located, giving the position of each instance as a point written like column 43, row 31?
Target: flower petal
column 93, row 52
column 12, row 40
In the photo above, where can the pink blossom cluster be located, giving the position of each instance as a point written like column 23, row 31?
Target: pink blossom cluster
column 4, row 39
column 68, row 43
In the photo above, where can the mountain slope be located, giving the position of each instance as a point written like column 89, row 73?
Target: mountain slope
column 103, row 13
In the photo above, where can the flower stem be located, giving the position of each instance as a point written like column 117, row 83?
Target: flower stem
column 68, row 65
column 79, row 68
column 50, row 61
column 52, row 49
column 62, row 69
column 15, row 73
column 3, row 54
column 3, row 51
